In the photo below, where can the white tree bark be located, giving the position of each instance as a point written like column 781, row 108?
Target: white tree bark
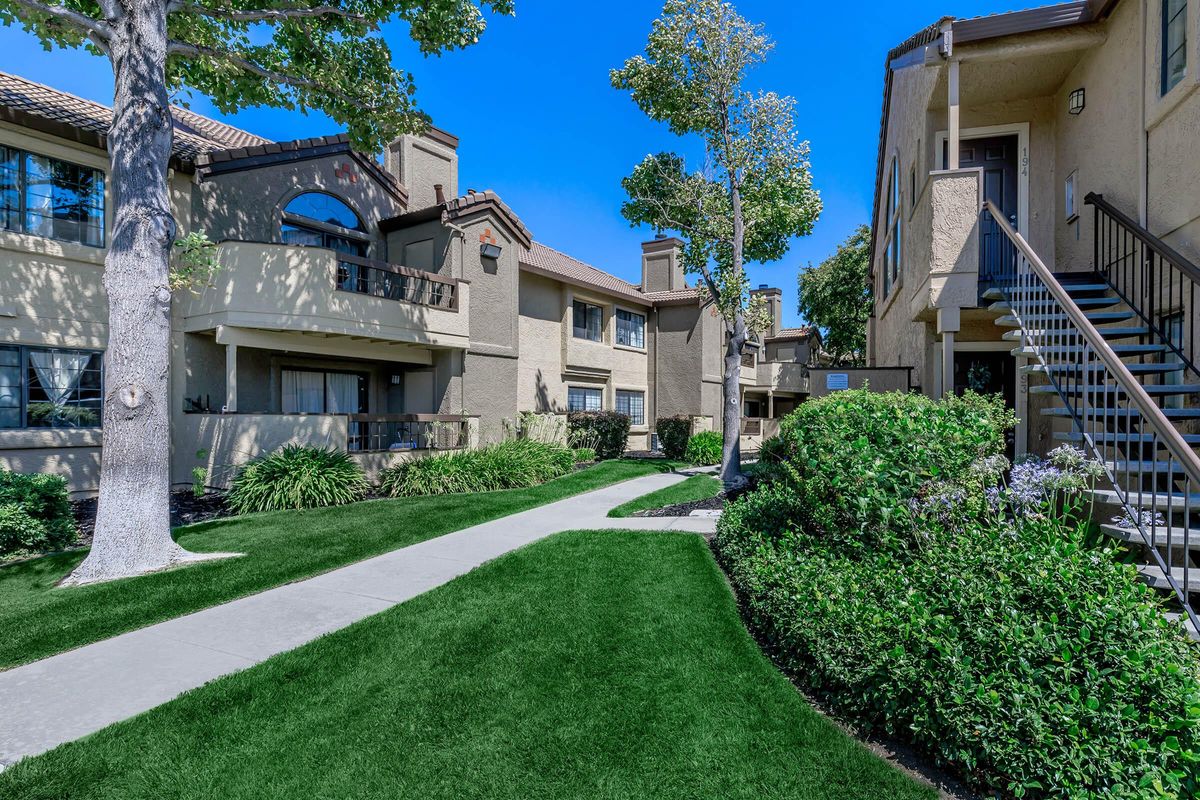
column 133, row 531
column 731, row 387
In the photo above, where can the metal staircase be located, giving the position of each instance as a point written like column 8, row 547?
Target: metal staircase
column 1114, row 349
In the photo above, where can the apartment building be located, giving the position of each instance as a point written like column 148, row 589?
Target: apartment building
column 364, row 303
column 1037, row 234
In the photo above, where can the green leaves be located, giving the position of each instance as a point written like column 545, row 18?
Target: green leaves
column 836, row 297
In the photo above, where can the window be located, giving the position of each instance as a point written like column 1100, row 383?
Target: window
column 631, row 329
column 892, row 253
column 632, row 405
column 319, row 392
column 47, row 197
column 588, row 321
column 316, row 219
column 1070, row 196
column 581, row 399
column 50, row 388
column 1174, row 43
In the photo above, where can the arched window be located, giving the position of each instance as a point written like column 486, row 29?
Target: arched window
column 316, row 219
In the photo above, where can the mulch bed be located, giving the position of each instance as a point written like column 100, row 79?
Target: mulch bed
column 186, row 509
column 684, row 509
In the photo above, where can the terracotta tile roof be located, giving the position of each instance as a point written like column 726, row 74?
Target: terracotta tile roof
column 690, row 293
column 194, row 134
column 786, row 334
column 477, row 201
column 549, row 261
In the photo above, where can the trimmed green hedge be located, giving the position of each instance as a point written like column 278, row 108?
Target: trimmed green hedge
column 606, row 432
column 673, row 433
column 994, row 634
column 297, row 477
column 513, row 464
column 35, row 513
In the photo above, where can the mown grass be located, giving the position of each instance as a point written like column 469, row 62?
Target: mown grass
column 598, row 665
column 39, row 620
column 696, row 487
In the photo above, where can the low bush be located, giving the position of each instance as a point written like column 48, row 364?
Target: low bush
column 513, row 464
column 35, row 513
column 297, row 477
column 673, row 433
column 987, row 627
column 607, row 432
column 584, row 455
column 704, row 449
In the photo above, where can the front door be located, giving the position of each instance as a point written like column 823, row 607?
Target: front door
column 988, row 372
column 999, row 158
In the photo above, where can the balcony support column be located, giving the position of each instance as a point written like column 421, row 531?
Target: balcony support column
column 230, row 378
column 770, row 405
column 949, row 323
column 952, row 134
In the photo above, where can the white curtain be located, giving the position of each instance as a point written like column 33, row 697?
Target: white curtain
column 341, row 393
column 59, row 373
column 303, row 392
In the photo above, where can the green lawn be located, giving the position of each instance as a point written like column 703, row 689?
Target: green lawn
column 696, row 487
column 588, row 665
column 38, row 620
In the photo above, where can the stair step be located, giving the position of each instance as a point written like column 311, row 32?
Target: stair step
column 1152, row 389
column 1094, row 317
column 1121, row 438
column 1119, row 349
column 1158, row 501
column 996, row 293
column 1186, row 621
column 1096, row 413
column 1154, row 575
column 1108, row 333
column 1003, row 306
column 1180, row 539
column 1136, row 369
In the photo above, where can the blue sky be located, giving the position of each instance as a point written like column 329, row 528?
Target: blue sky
column 540, row 124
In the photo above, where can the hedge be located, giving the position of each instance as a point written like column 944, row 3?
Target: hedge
column 35, row 513
column 606, row 432
column 673, row 433
column 512, row 464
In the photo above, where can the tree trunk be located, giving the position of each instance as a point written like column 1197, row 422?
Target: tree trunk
column 133, row 531
column 731, row 386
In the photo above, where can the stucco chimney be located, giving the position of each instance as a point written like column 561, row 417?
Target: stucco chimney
column 774, row 298
column 422, row 163
column 662, row 265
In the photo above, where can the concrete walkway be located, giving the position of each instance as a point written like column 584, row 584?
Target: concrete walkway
column 81, row 691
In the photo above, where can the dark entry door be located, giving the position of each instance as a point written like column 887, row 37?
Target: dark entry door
column 997, row 156
column 989, row 372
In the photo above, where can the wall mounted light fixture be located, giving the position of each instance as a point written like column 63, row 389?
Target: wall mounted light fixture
column 1075, row 102
column 489, row 250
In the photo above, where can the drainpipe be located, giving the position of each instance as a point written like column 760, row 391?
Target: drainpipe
column 948, row 323
column 952, row 110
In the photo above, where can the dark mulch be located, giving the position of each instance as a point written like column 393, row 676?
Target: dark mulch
column 186, row 509
column 684, row 509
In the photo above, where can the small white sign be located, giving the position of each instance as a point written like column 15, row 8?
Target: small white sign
column 837, row 381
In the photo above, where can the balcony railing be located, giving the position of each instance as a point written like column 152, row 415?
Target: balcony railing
column 376, row 433
column 392, row 282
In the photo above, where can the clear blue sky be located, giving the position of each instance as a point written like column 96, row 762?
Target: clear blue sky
column 540, row 124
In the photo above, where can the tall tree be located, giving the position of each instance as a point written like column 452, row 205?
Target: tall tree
column 754, row 190
column 294, row 54
column 836, row 297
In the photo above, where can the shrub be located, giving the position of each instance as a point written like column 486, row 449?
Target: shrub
column 704, row 448
column 994, row 634
column 508, row 465
column 35, row 513
column 607, row 429
column 296, row 477
column 673, row 433
column 584, row 455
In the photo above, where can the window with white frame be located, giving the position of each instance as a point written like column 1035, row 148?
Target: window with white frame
column 632, row 405
column 631, row 329
column 1174, row 43
column 50, row 388
column 892, row 253
column 48, row 197
column 582, row 398
column 588, row 321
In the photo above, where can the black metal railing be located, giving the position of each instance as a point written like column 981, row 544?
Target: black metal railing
column 1154, row 280
column 376, row 433
column 1154, row 472
column 392, row 282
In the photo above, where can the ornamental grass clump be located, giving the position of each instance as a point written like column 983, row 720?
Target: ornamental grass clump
column 297, row 477
column 704, row 449
column 986, row 623
column 513, row 464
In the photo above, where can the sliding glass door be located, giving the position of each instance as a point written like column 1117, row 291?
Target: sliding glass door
column 322, row 392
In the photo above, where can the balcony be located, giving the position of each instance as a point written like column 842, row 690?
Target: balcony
column 782, row 376
column 305, row 290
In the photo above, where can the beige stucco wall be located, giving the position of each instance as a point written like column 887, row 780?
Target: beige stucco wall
column 877, row 380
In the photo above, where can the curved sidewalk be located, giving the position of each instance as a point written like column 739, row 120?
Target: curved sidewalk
column 72, row 694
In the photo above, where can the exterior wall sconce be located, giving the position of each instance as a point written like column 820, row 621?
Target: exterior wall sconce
column 489, row 250
column 1076, row 102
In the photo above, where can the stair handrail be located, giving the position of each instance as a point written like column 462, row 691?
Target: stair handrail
column 1172, row 438
column 1181, row 262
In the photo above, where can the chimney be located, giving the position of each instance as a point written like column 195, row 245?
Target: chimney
column 439, row 194
column 662, row 264
column 774, row 298
column 422, row 163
